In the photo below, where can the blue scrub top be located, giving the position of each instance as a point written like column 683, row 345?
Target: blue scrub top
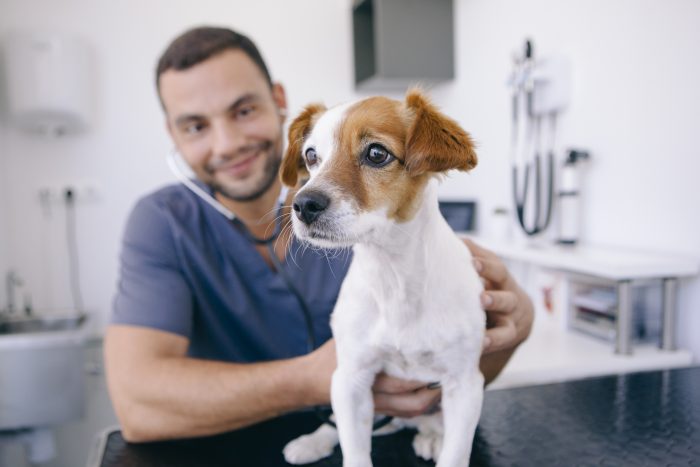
column 188, row 270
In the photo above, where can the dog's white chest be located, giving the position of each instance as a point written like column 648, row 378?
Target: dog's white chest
column 422, row 349
column 423, row 365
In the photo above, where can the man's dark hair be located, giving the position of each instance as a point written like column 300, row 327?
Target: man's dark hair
column 198, row 44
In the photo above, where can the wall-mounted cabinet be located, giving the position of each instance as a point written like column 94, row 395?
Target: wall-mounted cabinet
column 398, row 43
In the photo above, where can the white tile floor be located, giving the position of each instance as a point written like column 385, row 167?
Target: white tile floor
column 74, row 440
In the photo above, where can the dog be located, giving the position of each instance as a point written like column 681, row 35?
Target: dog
column 410, row 303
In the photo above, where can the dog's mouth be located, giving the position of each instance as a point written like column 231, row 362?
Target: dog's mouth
column 323, row 235
column 325, row 238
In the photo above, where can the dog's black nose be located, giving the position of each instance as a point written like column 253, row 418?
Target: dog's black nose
column 308, row 205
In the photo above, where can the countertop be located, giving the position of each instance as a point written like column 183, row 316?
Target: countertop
column 650, row 418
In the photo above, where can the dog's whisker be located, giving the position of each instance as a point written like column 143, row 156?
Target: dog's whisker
column 283, row 231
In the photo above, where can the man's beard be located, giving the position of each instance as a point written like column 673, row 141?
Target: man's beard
column 270, row 174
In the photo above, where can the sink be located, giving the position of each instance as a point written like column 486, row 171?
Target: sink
column 42, row 375
column 40, row 324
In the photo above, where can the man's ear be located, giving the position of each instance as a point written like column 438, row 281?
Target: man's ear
column 293, row 163
column 280, row 97
column 435, row 142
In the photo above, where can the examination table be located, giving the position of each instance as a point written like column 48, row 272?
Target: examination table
column 638, row 419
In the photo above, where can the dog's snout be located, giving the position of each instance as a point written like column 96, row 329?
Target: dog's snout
column 309, row 205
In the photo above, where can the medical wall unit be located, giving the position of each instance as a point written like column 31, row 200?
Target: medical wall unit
column 49, row 82
column 398, row 43
column 540, row 91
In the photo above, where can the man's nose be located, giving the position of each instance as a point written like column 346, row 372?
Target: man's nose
column 309, row 205
column 227, row 139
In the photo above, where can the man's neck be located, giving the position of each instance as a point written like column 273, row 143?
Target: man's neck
column 259, row 215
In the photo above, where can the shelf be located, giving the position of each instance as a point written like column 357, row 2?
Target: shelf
column 607, row 263
column 553, row 355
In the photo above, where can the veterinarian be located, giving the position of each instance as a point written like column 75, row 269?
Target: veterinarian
column 206, row 334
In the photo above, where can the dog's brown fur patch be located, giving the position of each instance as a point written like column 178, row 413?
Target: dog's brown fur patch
column 436, row 143
column 373, row 120
column 293, row 163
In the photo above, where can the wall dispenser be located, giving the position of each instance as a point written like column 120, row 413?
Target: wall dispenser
column 49, row 78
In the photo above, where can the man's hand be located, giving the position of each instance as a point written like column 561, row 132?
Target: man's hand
column 401, row 398
column 392, row 396
column 509, row 311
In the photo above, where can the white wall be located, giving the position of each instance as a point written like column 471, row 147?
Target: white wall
column 635, row 105
column 123, row 154
column 4, row 213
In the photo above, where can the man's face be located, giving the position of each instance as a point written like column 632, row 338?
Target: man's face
column 226, row 122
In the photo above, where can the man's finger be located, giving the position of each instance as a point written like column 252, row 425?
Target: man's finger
column 408, row 404
column 501, row 336
column 477, row 250
column 499, row 301
column 389, row 385
column 492, row 270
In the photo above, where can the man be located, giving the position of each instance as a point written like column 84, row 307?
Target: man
column 207, row 336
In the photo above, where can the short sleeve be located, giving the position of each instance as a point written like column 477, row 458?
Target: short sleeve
column 152, row 290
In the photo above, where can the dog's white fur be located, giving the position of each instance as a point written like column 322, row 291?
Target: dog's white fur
column 409, row 306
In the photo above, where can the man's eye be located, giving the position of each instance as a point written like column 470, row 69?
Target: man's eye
column 194, row 128
column 311, row 157
column 377, row 155
column 245, row 111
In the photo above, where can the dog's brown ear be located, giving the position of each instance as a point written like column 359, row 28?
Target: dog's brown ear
column 435, row 142
column 293, row 163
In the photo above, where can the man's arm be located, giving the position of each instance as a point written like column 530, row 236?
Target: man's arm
column 159, row 392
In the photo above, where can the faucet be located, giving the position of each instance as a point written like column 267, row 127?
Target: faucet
column 12, row 280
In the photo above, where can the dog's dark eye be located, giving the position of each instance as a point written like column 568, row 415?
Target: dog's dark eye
column 311, row 157
column 377, row 155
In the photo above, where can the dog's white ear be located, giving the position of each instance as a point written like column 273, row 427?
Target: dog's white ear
column 435, row 142
column 293, row 163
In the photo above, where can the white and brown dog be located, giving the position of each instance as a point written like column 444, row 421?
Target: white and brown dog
column 409, row 305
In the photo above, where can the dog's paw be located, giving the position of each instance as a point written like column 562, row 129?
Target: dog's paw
column 428, row 445
column 307, row 448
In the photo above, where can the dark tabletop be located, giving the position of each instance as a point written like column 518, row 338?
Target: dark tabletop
column 628, row 420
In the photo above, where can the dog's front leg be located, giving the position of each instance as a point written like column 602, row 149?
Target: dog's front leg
column 353, row 406
column 462, row 397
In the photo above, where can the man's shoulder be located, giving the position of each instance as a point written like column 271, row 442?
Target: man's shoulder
column 174, row 192
column 168, row 207
column 174, row 199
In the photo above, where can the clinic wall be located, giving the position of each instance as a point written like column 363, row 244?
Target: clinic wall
column 122, row 154
column 635, row 106
column 4, row 213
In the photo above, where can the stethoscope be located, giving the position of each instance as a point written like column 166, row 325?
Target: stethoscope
column 175, row 163
column 522, row 107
